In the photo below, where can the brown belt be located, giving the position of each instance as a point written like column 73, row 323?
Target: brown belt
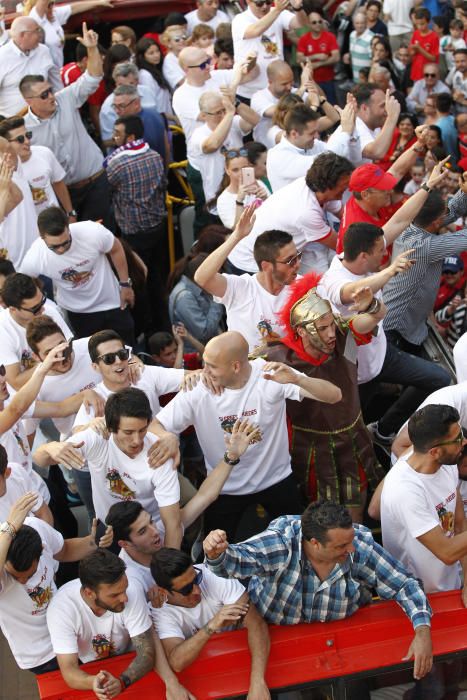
column 86, row 181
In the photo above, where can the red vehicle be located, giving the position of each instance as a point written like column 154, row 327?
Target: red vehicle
column 359, row 658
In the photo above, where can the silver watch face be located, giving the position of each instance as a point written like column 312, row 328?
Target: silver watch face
column 4, row 527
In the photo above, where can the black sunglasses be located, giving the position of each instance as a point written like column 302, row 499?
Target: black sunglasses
column 56, row 246
column 429, row 75
column 262, row 3
column 293, row 261
column 202, row 65
column 37, row 307
column 109, row 357
column 22, row 137
column 186, row 590
column 43, row 95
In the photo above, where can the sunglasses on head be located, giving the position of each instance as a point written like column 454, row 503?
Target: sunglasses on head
column 186, row 590
column 37, row 307
column 202, row 65
column 22, row 137
column 235, row 153
column 109, row 357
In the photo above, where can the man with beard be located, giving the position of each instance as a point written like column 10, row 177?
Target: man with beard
column 422, row 514
column 331, row 449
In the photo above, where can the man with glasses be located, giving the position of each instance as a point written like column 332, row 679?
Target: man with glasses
column 74, row 256
column 430, row 84
column 197, row 605
column 39, row 166
column 319, row 47
column 260, row 29
column 24, row 301
column 422, row 514
column 252, row 301
column 21, row 56
column 55, row 121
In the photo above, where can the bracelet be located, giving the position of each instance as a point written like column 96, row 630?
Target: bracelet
column 9, row 529
column 239, row 204
column 232, row 462
column 124, row 682
column 373, row 308
column 426, row 188
column 420, row 150
column 322, row 100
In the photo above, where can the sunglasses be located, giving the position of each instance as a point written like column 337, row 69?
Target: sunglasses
column 37, row 307
column 235, row 153
column 22, row 137
column 202, row 65
column 179, row 38
column 56, row 246
column 109, row 357
column 293, row 261
column 186, row 590
column 316, row 21
column 457, row 441
column 429, row 75
column 262, row 3
column 43, row 95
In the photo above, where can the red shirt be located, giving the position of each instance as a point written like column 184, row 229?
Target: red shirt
column 353, row 214
column 70, row 74
column 325, row 43
column 429, row 42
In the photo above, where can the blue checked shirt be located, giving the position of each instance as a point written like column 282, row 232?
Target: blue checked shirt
column 286, row 590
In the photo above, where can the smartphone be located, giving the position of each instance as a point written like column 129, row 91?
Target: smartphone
column 248, row 176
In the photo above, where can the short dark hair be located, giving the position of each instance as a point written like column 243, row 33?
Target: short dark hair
column 298, row 117
column 6, row 267
column 3, row 460
column 363, row 92
column 223, row 45
column 41, row 327
column 360, row 238
column 422, row 13
column 444, row 102
column 52, row 221
column 432, row 208
column 101, row 566
column 100, row 337
column 160, row 340
column 430, row 425
column 17, row 288
column 133, row 125
column 121, row 517
column 7, row 125
column 80, row 52
column 462, row 51
column 167, row 564
column 321, row 516
column 326, row 171
column 126, row 403
column 411, row 117
column 254, row 150
column 268, row 244
column 25, row 549
column 27, row 82
column 175, row 18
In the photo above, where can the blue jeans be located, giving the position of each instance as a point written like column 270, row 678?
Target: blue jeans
column 419, row 378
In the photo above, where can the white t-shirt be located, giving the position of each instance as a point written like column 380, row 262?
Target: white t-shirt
column 41, row 170
column 23, row 607
column 81, row 376
column 371, row 356
column 116, row 477
column 13, row 345
column 18, row 484
column 193, row 20
column 366, row 136
column 261, row 401
column 226, row 205
column 75, row 629
column 138, row 572
column 182, row 623
column 83, row 276
column 260, row 102
column 268, row 47
column 18, row 230
column 154, row 381
column 412, row 504
column 285, row 162
column 212, row 165
column 171, row 70
column 186, row 99
column 463, row 494
column 251, row 309
column 161, row 97
column 399, row 12
column 459, row 352
column 53, row 30
column 15, row 441
column 296, row 210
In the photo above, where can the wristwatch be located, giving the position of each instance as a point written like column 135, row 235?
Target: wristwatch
column 72, row 213
column 127, row 284
column 124, row 681
column 9, row 529
column 426, row 188
column 232, row 462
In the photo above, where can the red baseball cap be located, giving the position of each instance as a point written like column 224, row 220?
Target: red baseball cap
column 371, row 176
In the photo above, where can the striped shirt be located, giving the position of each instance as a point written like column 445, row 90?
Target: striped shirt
column 360, row 51
column 457, row 323
column 286, row 590
column 410, row 297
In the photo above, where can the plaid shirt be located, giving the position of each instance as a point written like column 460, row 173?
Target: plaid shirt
column 138, row 184
column 286, row 590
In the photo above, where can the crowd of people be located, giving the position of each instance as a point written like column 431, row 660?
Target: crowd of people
column 278, row 369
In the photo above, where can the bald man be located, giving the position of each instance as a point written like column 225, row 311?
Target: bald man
column 21, row 56
column 280, row 83
column 255, row 390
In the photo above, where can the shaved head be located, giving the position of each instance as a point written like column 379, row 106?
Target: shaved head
column 278, row 68
column 231, row 345
column 191, row 56
column 226, row 360
column 23, row 24
column 210, row 100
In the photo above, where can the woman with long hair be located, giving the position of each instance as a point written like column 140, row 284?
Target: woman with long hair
column 124, row 36
column 403, row 138
column 149, row 59
column 232, row 195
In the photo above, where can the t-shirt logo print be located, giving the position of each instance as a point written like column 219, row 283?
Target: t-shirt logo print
column 265, row 330
column 40, row 596
column 446, row 519
column 118, row 486
column 228, row 422
column 78, row 279
column 269, row 46
column 102, row 646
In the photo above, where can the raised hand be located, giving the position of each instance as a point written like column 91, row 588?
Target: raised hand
column 21, row 508
column 245, row 223
column 89, row 39
column 215, row 543
column 362, row 299
column 279, row 372
column 243, row 434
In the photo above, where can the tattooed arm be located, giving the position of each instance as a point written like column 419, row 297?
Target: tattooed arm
column 144, row 659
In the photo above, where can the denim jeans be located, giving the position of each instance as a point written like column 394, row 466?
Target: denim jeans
column 419, row 377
